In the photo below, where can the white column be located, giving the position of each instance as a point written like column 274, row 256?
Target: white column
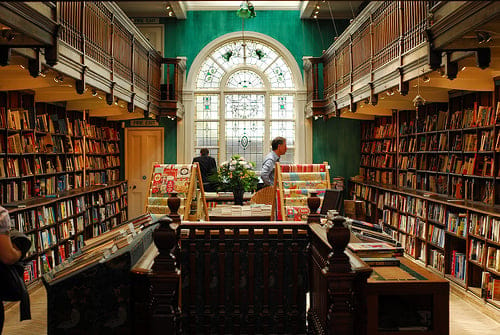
column 303, row 131
column 185, row 130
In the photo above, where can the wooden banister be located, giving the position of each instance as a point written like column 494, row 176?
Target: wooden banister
column 251, row 277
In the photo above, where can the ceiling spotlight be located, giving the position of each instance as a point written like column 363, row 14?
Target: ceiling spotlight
column 426, row 79
column 170, row 13
column 21, row 66
column 483, row 36
column 315, row 16
column 94, row 92
column 59, row 78
column 116, row 102
column 168, row 7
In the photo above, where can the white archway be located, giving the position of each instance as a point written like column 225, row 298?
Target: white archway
column 186, row 133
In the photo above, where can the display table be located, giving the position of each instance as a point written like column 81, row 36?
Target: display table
column 407, row 298
column 240, row 213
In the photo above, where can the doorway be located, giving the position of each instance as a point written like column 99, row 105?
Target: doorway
column 143, row 147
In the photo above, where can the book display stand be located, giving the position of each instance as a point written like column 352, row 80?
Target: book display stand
column 294, row 183
column 185, row 181
column 97, row 281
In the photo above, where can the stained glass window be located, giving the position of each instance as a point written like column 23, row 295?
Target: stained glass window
column 245, row 79
column 245, row 122
column 245, row 106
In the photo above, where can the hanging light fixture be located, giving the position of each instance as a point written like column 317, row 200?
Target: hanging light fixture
column 246, row 11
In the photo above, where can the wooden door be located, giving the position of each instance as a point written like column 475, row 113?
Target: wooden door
column 143, row 147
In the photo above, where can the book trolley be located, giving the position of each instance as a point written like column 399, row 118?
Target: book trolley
column 294, row 183
column 183, row 179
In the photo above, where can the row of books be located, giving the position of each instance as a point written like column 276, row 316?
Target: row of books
column 436, row 260
column 382, row 161
column 457, row 223
column 490, row 286
column 458, row 267
column 99, row 162
column 386, row 129
column 378, row 146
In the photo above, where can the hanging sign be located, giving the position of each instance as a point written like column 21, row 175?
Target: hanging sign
column 144, row 123
column 146, row 20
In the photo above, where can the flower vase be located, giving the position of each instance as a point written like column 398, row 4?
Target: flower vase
column 238, row 196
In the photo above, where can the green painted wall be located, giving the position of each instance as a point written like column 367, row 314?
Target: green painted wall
column 300, row 37
column 338, row 141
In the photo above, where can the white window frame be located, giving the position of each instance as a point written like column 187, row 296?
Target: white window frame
column 303, row 129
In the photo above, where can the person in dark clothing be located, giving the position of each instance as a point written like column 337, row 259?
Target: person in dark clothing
column 208, row 166
column 9, row 253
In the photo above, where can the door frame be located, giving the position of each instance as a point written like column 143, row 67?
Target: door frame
column 125, row 156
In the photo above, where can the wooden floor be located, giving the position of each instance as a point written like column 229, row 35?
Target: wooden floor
column 468, row 315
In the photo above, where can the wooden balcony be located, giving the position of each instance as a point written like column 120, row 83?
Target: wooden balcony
column 88, row 54
column 393, row 43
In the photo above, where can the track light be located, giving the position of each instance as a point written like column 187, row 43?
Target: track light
column 59, row 78
column 483, row 36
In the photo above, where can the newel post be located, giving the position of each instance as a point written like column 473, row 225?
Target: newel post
column 165, row 277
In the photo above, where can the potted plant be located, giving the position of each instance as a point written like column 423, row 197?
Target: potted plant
column 237, row 176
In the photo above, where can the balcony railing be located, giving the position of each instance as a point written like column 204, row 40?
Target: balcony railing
column 96, row 44
column 383, row 33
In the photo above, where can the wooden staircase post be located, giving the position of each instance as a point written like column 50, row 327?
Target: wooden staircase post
column 165, row 276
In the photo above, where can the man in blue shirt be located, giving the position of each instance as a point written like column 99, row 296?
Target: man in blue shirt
column 278, row 149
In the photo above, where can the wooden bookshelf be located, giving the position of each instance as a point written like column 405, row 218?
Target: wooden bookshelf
column 447, row 149
column 48, row 182
column 460, row 240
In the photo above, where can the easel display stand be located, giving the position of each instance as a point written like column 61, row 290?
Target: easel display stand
column 183, row 179
column 294, row 183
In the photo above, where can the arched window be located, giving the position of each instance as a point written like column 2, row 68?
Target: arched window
column 244, row 96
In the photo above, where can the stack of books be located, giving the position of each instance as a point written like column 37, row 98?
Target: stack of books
column 377, row 253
